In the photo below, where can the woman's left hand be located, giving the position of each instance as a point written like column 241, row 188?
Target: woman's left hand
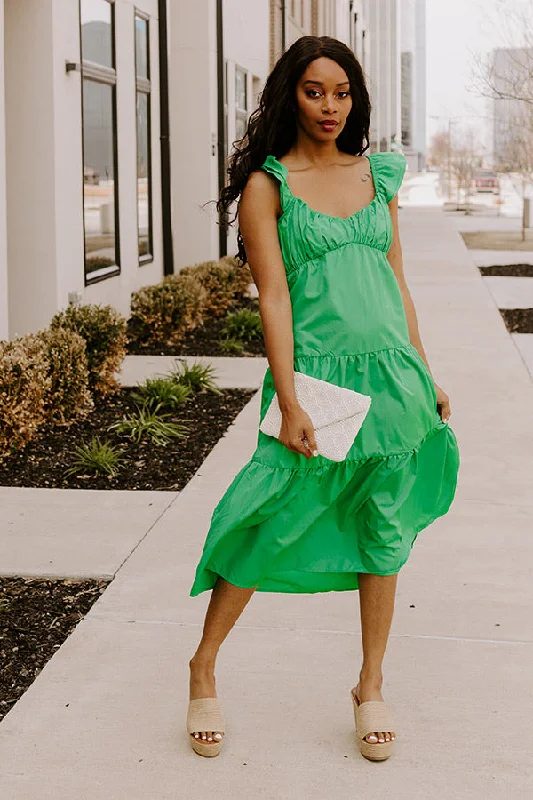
column 443, row 403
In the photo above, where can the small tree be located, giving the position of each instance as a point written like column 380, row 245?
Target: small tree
column 506, row 76
column 511, row 78
column 465, row 160
column 518, row 160
column 439, row 149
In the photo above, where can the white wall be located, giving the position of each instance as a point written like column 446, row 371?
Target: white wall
column 385, row 71
column 193, row 97
column 246, row 44
column 342, row 16
column 413, row 41
column 374, row 72
column 420, row 79
column 193, row 129
column 31, row 158
column 4, row 322
column 395, row 73
column 45, row 164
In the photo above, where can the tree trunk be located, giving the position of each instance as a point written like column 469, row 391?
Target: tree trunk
column 524, row 221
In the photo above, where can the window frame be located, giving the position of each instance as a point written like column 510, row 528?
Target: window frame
column 91, row 71
column 144, row 86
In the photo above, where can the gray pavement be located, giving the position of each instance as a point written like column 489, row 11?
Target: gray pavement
column 489, row 258
column 106, row 716
column 230, row 371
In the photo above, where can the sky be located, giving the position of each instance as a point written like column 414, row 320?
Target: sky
column 456, row 31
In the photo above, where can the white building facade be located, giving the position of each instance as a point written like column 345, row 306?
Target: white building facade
column 117, row 117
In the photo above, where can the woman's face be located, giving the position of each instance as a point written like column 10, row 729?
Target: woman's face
column 323, row 99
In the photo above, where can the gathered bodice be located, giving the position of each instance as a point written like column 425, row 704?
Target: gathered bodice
column 345, row 296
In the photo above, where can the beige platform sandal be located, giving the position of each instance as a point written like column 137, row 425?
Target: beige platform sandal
column 370, row 717
column 205, row 714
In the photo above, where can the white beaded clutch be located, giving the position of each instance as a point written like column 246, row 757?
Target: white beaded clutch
column 337, row 414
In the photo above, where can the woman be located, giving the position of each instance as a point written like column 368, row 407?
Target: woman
column 319, row 228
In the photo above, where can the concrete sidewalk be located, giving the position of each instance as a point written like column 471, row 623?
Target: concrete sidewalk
column 106, row 716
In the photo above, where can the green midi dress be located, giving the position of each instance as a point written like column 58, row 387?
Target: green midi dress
column 291, row 524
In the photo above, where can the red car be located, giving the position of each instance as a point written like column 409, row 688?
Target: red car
column 486, row 181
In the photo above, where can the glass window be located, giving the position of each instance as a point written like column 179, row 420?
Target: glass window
column 97, row 32
column 241, row 103
column 100, row 197
column 141, row 47
column 226, row 114
column 144, row 178
column 143, row 175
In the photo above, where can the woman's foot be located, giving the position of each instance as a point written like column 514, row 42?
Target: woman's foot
column 371, row 690
column 202, row 684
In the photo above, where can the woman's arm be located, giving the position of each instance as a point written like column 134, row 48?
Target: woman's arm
column 395, row 259
column 258, row 211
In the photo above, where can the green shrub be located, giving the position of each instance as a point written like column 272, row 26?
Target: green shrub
column 69, row 397
column 222, row 283
column 244, row 325
column 104, row 330
column 163, row 392
column 198, row 376
column 25, row 382
column 243, row 274
column 166, row 311
column 99, row 458
column 230, row 345
column 150, row 423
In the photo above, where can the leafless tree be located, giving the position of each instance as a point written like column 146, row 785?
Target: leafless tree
column 465, row 159
column 512, row 79
column 506, row 76
column 518, row 161
column 439, row 149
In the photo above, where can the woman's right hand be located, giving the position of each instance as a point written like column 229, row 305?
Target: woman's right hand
column 296, row 426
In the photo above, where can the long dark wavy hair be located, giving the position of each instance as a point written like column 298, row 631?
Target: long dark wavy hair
column 272, row 127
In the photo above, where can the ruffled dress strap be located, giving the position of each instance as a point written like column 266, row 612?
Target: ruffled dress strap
column 388, row 171
column 276, row 168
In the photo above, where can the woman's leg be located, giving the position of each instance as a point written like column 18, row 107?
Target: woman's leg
column 376, row 599
column 225, row 607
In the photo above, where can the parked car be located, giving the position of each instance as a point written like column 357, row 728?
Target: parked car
column 485, row 180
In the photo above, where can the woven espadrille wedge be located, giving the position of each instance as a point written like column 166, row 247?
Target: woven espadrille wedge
column 370, row 717
column 205, row 714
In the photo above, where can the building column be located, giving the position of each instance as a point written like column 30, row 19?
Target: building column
column 374, row 75
column 395, row 133
column 193, row 125
column 4, row 306
column 43, row 154
column 420, row 83
column 384, row 88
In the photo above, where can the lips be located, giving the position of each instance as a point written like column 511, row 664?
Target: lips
column 328, row 124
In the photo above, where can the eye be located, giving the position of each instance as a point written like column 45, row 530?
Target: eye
column 344, row 94
column 311, row 91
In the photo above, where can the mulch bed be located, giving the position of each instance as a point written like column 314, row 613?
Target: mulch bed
column 201, row 341
column 509, row 270
column 518, row 320
column 145, row 466
column 36, row 616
